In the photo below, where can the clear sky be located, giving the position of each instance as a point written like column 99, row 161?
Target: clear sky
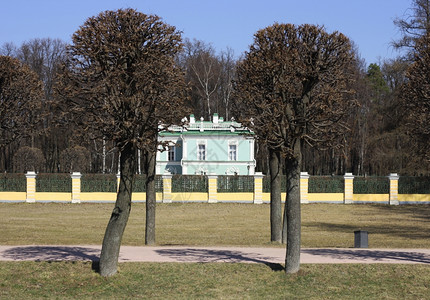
column 223, row 23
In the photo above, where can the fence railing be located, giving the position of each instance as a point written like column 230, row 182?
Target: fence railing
column 48, row 183
column 255, row 188
column 99, row 183
column 414, row 185
column 235, row 184
column 326, row 184
column 189, row 184
column 371, row 185
column 139, row 183
column 13, row 182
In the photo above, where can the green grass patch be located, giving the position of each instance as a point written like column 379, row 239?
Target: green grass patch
column 201, row 224
column 76, row 280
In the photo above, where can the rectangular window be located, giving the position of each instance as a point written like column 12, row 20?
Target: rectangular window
column 232, row 152
column 201, row 154
column 171, row 153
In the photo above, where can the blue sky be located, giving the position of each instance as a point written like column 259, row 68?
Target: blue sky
column 223, row 23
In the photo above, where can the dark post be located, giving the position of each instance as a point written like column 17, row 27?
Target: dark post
column 361, row 239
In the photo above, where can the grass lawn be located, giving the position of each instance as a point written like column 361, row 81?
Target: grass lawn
column 201, row 224
column 61, row 280
column 323, row 225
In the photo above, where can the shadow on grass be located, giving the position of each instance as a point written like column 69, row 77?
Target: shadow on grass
column 419, row 212
column 52, row 253
column 409, row 232
column 211, row 255
column 373, row 255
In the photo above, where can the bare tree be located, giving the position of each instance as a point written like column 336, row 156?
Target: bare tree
column 203, row 75
column 122, row 82
column 291, row 89
column 413, row 25
column 28, row 159
column 416, row 96
column 21, row 95
column 75, row 158
column 228, row 71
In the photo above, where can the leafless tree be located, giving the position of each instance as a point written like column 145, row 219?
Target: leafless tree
column 416, row 96
column 21, row 95
column 75, row 158
column 413, row 25
column 291, row 89
column 122, row 82
column 28, row 159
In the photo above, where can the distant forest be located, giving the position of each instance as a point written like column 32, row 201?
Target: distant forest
column 381, row 137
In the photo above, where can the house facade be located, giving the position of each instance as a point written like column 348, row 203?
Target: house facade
column 207, row 147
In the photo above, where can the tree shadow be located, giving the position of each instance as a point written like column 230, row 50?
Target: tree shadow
column 409, row 232
column 417, row 211
column 212, row 255
column 52, row 253
column 373, row 255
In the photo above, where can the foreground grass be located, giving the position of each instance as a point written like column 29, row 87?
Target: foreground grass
column 202, row 224
column 62, row 280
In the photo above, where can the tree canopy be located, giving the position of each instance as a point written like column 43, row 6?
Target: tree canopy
column 121, row 77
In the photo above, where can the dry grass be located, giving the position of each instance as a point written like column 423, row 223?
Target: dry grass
column 66, row 280
column 323, row 225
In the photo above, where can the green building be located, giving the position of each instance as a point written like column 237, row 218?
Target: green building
column 207, row 147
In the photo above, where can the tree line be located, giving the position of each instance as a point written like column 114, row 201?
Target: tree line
column 377, row 143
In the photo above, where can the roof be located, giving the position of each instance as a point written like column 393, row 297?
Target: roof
column 216, row 127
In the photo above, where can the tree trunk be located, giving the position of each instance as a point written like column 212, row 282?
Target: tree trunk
column 275, row 196
column 150, row 197
column 118, row 220
column 284, row 225
column 292, row 206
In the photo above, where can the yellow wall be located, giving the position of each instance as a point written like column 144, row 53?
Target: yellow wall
column 111, row 197
column 49, row 197
column 371, row 197
column 98, row 197
column 414, row 198
column 266, row 197
column 325, row 197
column 13, row 196
column 203, row 197
column 184, row 197
column 235, row 197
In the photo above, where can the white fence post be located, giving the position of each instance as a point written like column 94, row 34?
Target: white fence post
column 349, row 188
column 304, row 185
column 31, row 187
column 394, row 189
column 212, row 188
column 76, row 187
column 258, row 188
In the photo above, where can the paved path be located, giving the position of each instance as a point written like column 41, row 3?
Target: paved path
column 216, row 254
